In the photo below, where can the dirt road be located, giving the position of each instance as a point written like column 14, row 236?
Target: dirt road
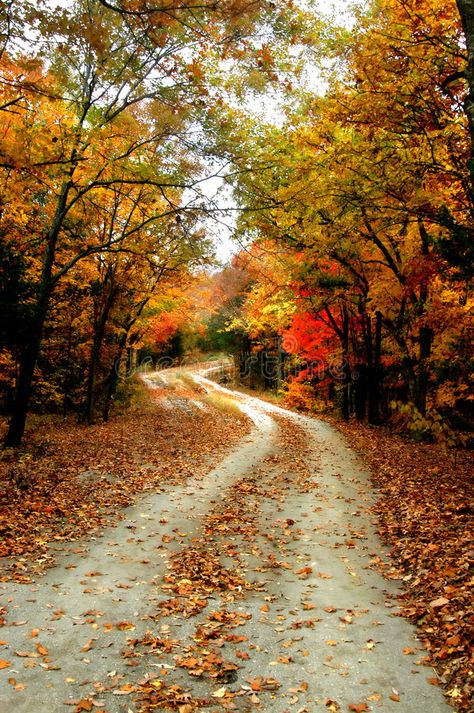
column 255, row 587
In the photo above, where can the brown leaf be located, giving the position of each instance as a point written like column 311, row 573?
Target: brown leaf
column 85, row 704
column 4, row 663
column 304, row 572
column 440, row 602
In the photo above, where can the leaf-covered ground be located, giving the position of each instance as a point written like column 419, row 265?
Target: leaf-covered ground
column 426, row 516
column 73, row 479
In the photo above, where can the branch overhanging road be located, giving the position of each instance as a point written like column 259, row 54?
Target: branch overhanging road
column 296, row 615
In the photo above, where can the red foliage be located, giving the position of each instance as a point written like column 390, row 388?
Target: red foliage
column 309, row 337
column 164, row 327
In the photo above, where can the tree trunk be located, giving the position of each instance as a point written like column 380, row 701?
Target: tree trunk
column 67, row 368
column 373, row 415
column 111, row 387
column 422, row 376
column 360, row 392
column 29, row 357
column 99, row 334
column 346, row 370
column 21, row 400
column 466, row 10
column 425, row 335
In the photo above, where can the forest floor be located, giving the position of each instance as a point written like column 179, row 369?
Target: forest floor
column 211, row 551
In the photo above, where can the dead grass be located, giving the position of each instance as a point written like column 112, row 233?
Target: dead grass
column 225, row 404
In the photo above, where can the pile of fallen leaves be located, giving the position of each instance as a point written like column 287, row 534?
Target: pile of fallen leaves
column 198, row 571
column 425, row 514
column 70, row 479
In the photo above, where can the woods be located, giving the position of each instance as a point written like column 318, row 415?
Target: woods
column 354, row 203
column 363, row 264
column 102, row 157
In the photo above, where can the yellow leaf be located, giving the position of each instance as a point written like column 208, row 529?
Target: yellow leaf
column 220, row 693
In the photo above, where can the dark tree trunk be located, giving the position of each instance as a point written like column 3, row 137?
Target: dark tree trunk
column 29, row 356
column 93, row 368
column 360, row 392
column 425, row 335
column 113, row 378
column 373, row 414
column 67, row 369
column 422, row 377
column 99, row 334
column 346, row 369
column 21, row 400
column 466, row 10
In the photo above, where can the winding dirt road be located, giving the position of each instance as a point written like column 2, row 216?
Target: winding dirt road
column 256, row 587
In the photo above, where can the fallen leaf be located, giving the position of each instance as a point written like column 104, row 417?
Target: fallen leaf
column 304, row 572
column 440, row 602
column 125, row 626
column 220, row 692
